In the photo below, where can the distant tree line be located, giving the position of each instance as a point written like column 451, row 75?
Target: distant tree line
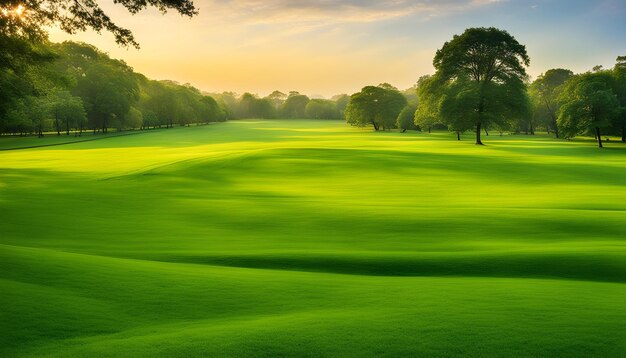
column 277, row 104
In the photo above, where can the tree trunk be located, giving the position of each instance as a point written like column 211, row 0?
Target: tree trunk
column 404, row 130
column 56, row 120
column 532, row 130
column 458, row 135
column 487, row 133
column 623, row 134
column 428, row 129
column 67, row 128
column 478, row 141
column 599, row 137
column 375, row 126
column 556, row 127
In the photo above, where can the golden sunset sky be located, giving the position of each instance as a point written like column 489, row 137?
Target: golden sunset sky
column 329, row 47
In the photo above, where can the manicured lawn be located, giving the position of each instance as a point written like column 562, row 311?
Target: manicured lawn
column 312, row 238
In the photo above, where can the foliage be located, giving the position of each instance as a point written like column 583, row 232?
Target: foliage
column 544, row 93
column 588, row 104
column 375, row 105
column 295, row 106
column 618, row 125
column 321, row 109
column 30, row 19
column 406, row 118
column 479, row 68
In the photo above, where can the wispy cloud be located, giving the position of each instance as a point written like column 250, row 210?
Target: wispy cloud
column 332, row 11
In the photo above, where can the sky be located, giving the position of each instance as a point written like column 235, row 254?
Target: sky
column 328, row 47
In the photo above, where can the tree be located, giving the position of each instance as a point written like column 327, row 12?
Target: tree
column 108, row 90
column 488, row 62
column 457, row 106
column 133, row 119
column 68, row 111
column 295, row 105
column 17, row 119
column 429, row 96
column 321, row 109
column 619, row 74
column 250, row 106
column 31, row 18
column 277, row 98
column 341, row 102
column 588, row 104
column 406, row 118
column 211, row 110
column 377, row 105
column 545, row 91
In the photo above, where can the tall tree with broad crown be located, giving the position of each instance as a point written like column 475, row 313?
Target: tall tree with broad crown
column 488, row 61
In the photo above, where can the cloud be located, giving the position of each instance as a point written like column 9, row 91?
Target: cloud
column 326, row 12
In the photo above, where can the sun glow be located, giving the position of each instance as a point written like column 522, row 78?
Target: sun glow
column 17, row 11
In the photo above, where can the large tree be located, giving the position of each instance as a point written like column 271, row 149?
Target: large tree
column 545, row 91
column 588, row 104
column 32, row 18
column 487, row 62
column 376, row 105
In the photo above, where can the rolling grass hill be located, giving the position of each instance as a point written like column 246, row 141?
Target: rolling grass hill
column 312, row 238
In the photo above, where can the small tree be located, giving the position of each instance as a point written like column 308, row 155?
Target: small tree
column 406, row 118
column 429, row 97
column 545, row 91
column 133, row 119
column 68, row 111
column 376, row 105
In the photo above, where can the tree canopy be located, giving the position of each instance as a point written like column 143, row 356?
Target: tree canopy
column 375, row 105
column 482, row 74
column 545, row 91
column 30, row 18
column 588, row 104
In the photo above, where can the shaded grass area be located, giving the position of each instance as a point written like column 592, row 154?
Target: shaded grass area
column 309, row 238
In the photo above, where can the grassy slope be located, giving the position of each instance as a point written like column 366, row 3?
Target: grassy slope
column 309, row 238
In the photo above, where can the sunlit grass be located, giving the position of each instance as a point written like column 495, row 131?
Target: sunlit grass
column 313, row 238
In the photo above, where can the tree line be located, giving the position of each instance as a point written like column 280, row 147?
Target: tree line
column 276, row 105
column 481, row 84
column 73, row 87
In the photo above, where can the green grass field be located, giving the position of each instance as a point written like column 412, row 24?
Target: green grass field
column 312, row 238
